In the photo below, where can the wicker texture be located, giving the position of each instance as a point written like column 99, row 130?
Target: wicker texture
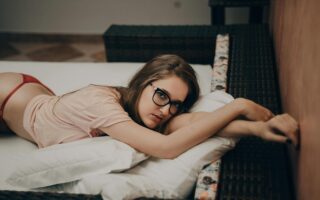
column 234, row 3
column 141, row 43
column 13, row 195
column 255, row 169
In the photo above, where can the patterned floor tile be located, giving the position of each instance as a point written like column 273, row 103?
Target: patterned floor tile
column 82, row 59
column 99, row 56
column 26, row 47
column 61, row 52
column 7, row 50
column 88, row 48
column 50, row 47
column 19, row 57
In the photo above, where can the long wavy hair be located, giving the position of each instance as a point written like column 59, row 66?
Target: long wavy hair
column 157, row 68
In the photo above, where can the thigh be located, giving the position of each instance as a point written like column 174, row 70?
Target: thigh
column 8, row 81
column 14, row 108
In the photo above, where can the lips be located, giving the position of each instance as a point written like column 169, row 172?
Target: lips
column 156, row 118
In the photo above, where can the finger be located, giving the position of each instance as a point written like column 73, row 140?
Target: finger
column 294, row 132
column 276, row 137
column 268, row 114
column 288, row 126
column 272, row 114
column 285, row 136
column 292, row 121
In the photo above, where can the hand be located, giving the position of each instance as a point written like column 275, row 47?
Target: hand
column 281, row 128
column 253, row 111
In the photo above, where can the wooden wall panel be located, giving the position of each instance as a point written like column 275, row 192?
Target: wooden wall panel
column 295, row 26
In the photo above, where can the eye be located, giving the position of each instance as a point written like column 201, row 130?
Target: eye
column 176, row 105
column 163, row 96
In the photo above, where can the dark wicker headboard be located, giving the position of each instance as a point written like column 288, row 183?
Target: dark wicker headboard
column 141, row 43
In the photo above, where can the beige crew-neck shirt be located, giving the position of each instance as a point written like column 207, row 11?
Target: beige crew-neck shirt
column 53, row 120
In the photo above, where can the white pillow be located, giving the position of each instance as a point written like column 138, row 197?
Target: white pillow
column 171, row 179
column 159, row 178
column 72, row 161
column 162, row 178
column 211, row 101
column 98, row 156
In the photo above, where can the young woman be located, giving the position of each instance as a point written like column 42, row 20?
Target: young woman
column 156, row 101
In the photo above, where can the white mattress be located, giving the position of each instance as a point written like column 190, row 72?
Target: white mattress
column 65, row 77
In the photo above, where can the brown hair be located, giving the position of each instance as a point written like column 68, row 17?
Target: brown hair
column 158, row 68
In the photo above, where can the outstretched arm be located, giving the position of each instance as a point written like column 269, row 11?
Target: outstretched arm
column 170, row 146
column 280, row 128
column 186, row 136
column 237, row 128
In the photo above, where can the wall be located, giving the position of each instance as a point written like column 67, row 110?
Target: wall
column 295, row 25
column 95, row 16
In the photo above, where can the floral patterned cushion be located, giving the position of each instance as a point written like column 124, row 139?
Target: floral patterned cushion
column 208, row 178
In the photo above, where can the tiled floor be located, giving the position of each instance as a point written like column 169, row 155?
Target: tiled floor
column 74, row 51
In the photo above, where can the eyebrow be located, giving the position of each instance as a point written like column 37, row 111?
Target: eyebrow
column 168, row 93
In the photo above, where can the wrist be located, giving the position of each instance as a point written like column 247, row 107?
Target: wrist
column 250, row 128
column 240, row 104
column 256, row 128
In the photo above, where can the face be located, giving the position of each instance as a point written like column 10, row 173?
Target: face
column 149, row 106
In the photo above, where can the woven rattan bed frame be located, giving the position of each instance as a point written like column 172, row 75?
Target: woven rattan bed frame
column 255, row 169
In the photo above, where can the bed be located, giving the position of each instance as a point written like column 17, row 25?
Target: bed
column 36, row 168
column 86, row 166
column 254, row 169
column 245, row 172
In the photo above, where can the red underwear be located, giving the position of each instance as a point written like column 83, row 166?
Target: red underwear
column 25, row 79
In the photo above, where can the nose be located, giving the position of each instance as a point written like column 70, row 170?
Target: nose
column 165, row 110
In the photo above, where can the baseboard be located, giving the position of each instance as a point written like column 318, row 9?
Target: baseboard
column 44, row 37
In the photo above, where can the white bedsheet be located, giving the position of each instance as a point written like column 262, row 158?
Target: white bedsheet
column 65, row 77
column 158, row 178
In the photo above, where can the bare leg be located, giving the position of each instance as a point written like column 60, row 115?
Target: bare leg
column 14, row 108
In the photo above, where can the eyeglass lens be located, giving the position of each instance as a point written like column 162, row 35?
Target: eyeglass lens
column 161, row 99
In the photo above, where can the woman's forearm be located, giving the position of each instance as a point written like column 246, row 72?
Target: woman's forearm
column 181, row 139
column 202, row 128
column 236, row 128
column 186, row 130
column 239, row 128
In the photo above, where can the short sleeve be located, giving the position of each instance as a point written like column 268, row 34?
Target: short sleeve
column 93, row 107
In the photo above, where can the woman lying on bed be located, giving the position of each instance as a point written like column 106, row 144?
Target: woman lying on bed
column 156, row 101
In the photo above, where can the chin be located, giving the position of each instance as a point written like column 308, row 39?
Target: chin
column 150, row 124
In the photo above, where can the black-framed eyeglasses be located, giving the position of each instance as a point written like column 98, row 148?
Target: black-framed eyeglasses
column 161, row 98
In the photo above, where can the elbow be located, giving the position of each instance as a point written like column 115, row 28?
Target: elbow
column 166, row 151
column 168, row 155
column 163, row 148
column 172, row 156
